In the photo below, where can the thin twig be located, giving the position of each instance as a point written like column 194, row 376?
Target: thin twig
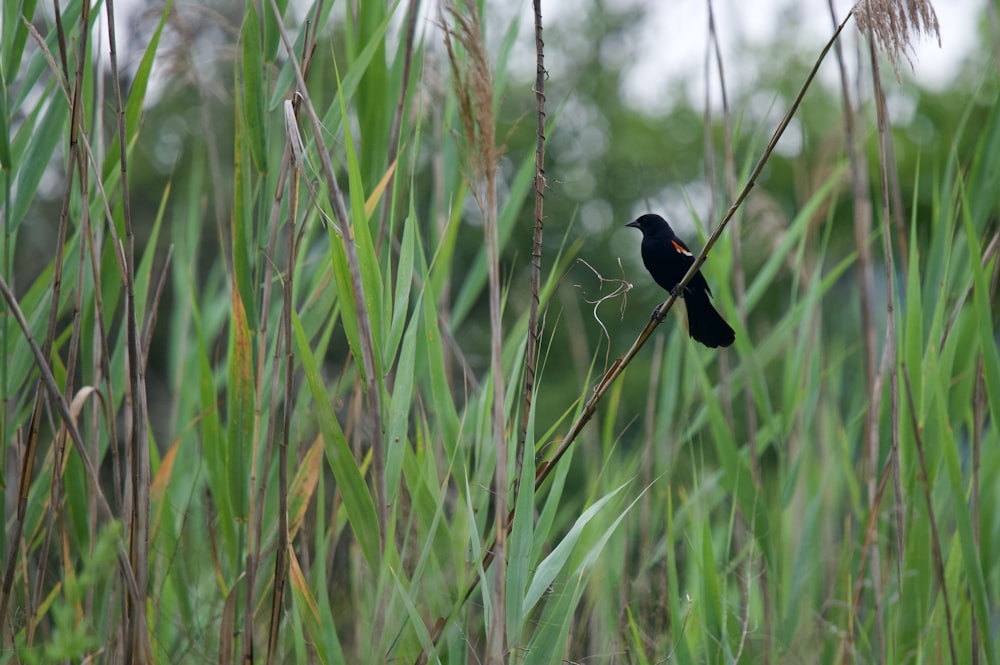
column 534, row 331
column 992, row 247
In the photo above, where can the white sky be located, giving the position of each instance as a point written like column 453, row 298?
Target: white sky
column 671, row 43
column 673, row 50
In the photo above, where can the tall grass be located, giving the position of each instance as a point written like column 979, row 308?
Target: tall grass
column 246, row 417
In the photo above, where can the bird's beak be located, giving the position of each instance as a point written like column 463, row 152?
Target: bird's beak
column 634, row 224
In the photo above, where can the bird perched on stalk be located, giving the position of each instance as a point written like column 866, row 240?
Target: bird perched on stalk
column 668, row 259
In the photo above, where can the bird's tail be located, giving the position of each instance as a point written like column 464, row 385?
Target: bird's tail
column 705, row 323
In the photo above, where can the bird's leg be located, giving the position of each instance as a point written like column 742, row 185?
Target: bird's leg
column 656, row 310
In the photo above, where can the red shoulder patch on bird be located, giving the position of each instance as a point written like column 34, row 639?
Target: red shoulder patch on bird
column 681, row 248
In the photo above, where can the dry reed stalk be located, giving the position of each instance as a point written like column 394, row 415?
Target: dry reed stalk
column 890, row 27
column 472, row 81
column 862, row 233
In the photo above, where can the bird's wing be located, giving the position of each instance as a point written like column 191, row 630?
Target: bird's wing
column 681, row 247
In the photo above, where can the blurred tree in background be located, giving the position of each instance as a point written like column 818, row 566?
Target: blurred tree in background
column 608, row 158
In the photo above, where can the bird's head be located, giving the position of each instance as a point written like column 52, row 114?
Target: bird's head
column 650, row 224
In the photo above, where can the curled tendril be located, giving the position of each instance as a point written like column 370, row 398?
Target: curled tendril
column 621, row 288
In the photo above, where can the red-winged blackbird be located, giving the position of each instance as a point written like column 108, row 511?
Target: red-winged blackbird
column 667, row 259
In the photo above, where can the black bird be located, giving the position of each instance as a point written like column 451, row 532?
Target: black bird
column 667, row 259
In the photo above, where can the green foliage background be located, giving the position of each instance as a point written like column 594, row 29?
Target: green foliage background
column 768, row 503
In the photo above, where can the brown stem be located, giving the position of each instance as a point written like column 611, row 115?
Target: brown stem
column 281, row 549
column 137, row 636
column 865, row 273
column 531, row 354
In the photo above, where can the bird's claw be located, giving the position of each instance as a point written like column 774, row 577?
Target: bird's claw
column 656, row 314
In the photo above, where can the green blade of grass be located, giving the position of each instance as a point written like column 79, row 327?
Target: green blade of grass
column 317, row 619
column 357, row 500
column 400, row 407
column 991, row 370
column 15, row 36
column 404, row 282
column 44, row 138
column 253, row 86
column 272, row 36
column 519, row 546
column 368, row 266
column 5, row 151
column 240, row 411
column 241, row 222
column 111, row 169
column 143, row 275
column 547, row 570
